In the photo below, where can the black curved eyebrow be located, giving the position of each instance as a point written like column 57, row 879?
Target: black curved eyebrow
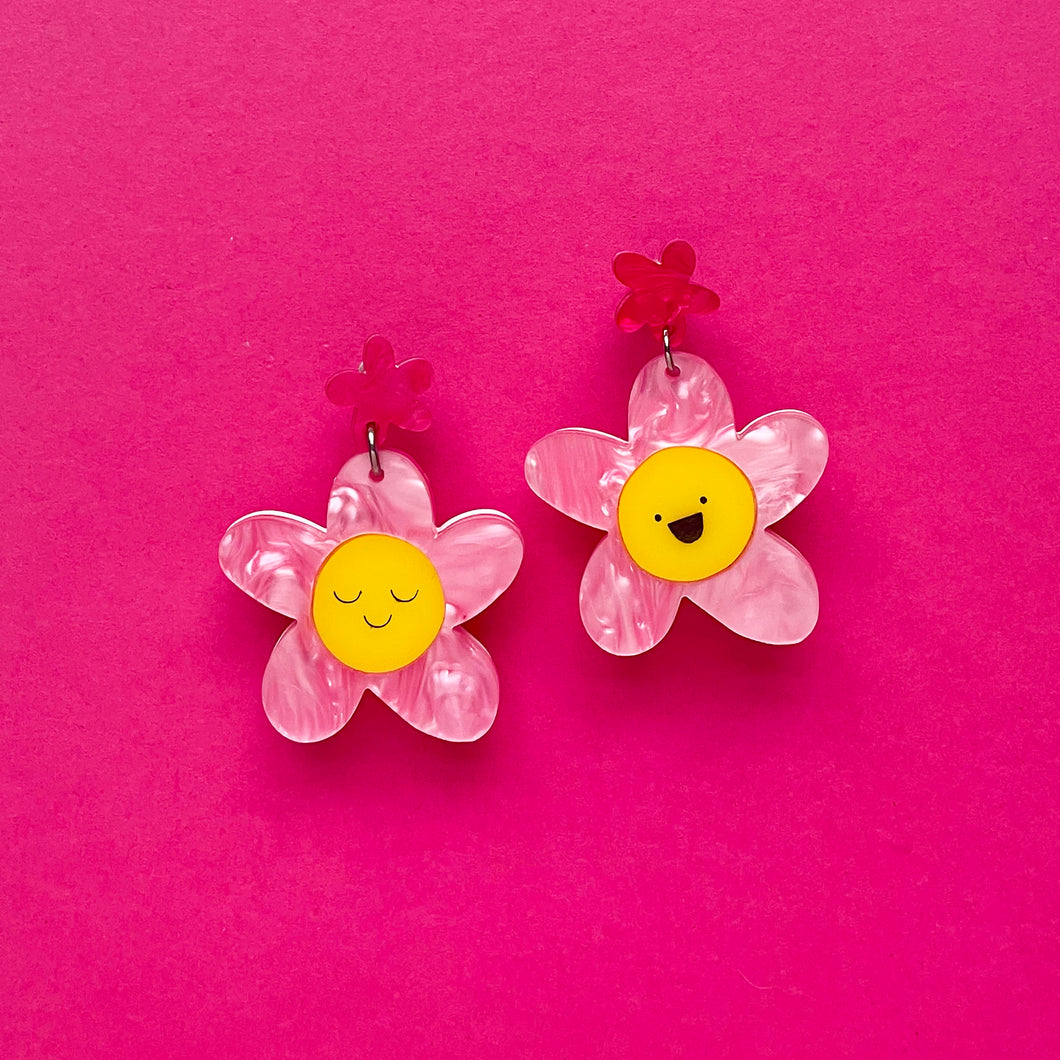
column 341, row 601
column 401, row 600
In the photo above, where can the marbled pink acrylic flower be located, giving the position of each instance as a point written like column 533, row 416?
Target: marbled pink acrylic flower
column 377, row 598
column 686, row 504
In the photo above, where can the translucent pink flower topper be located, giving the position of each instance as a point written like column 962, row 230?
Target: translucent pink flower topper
column 383, row 392
column 377, row 597
column 661, row 292
column 686, row 504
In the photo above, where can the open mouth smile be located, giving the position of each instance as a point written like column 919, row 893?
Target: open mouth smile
column 688, row 529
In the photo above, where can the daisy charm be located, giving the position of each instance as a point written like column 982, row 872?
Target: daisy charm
column 378, row 594
column 686, row 501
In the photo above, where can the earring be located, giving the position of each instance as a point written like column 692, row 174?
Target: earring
column 687, row 500
column 378, row 595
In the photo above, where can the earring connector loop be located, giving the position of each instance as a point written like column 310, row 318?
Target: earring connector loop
column 373, row 451
column 671, row 368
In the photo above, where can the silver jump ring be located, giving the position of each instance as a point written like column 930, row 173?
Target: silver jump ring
column 671, row 368
column 373, row 453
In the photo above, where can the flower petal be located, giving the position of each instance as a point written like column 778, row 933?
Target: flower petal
column 625, row 610
column 635, row 270
column 416, row 375
column 476, row 555
column 273, row 557
column 580, row 473
column 639, row 308
column 344, row 387
column 769, row 594
column 308, row 694
column 451, row 691
column 702, row 299
column 397, row 504
column 679, row 256
column 783, row 454
column 692, row 408
column 378, row 356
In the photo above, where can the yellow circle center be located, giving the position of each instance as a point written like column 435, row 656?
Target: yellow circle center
column 686, row 513
column 377, row 603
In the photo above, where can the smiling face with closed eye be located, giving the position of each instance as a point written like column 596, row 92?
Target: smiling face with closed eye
column 377, row 603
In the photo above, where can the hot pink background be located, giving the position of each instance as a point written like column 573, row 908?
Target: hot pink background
column 845, row 848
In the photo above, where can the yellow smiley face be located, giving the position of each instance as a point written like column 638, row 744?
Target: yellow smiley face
column 686, row 513
column 377, row 603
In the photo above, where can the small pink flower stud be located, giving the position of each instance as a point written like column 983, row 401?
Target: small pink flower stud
column 661, row 292
column 382, row 392
column 686, row 504
column 378, row 595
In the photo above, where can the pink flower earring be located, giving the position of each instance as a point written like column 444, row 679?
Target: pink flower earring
column 686, row 502
column 378, row 595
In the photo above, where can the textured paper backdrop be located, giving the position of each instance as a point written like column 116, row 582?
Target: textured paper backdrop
column 845, row 848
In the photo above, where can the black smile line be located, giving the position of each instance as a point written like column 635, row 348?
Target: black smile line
column 688, row 529
column 374, row 626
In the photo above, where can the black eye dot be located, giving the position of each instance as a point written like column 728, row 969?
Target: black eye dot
column 702, row 500
column 658, row 518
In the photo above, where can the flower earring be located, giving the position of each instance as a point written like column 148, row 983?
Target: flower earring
column 687, row 500
column 378, row 595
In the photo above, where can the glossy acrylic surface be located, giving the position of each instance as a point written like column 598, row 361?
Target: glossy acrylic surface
column 661, row 292
column 716, row 850
column 769, row 593
column 382, row 391
column 450, row 688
